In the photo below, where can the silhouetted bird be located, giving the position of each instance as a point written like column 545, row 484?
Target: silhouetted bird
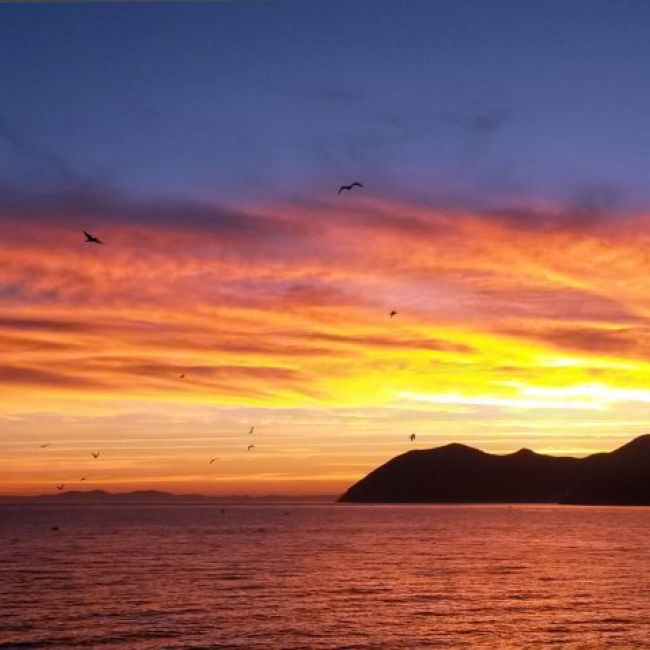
column 95, row 454
column 83, row 478
column 47, row 444
column 212, row 460
column 182, row 376
column 350, row 186
column 60, row 487
column 55, row 528
column 412, row 437
column 90, row 239
column 250, row 433
column 250, row 447
column 393, row 313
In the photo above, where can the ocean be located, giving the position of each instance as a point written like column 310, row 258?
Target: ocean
column 324, row 576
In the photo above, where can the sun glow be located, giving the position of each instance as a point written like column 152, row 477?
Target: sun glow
column 165, row 345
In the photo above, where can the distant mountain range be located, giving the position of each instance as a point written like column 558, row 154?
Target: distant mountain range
column 149, row 497
column 457, row 473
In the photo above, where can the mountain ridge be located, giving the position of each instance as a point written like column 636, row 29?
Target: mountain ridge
column 457, row 473
column 152, row 497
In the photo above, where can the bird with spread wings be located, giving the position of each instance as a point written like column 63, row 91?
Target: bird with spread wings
column 349, row 187
column 91, row 239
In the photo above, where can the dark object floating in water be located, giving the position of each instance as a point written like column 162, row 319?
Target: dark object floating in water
column 457, row 473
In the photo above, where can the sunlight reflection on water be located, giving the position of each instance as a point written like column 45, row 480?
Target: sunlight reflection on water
column 324, row 576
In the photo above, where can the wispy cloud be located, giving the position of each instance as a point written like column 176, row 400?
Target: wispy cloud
column 283, row 307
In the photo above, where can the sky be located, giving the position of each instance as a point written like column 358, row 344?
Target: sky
column 504, row 214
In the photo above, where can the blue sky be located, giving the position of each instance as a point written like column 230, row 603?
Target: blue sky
column 469, row 101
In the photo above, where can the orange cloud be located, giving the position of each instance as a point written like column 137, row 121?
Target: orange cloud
column 280, row 313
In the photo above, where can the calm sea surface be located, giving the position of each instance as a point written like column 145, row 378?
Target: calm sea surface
column 324, row 576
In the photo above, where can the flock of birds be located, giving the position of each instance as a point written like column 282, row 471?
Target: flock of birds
column 92, row 239
column 60, row 486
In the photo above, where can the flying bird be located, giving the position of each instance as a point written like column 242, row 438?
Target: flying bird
column 90, row 239
column 212, row 460
column 95, row 454
column 182, row 376
column 60, row 487
column 393, row 313
column 250, row 433
column 250, row 447
column 350, row 186
column 47, row 444
column 412, row 437
column 83, row 478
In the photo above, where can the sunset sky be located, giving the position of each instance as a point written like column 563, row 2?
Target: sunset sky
column 504, row 149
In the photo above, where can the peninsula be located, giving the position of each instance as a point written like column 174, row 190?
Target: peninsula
column 456, row 473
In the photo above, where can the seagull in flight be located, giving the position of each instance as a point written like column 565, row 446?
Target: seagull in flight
column 95, row 454
column 47, row 444
column 90, row 239
column 250, row 447
column 83, row 478
column 182, row 376
column 412, row 437
column 350, row 186
column 212, row 460
column 60, row 487
column 250, row 433
column 393, row 313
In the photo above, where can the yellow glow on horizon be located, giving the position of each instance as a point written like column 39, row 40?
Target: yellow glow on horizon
column 506, row 337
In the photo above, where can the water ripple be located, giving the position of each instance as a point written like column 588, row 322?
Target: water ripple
column 325, row 578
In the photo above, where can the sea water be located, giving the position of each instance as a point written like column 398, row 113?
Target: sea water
column 324, row 576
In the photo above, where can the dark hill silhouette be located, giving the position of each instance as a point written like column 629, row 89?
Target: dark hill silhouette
column 150, row 497
column 457, row 473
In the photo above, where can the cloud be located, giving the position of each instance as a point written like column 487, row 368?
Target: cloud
column 43, row 324
column 376, row 341
column 287, row 303
column 618, row 342
column 24, row 344
column 204, row 373
column 104, row 206
column 22, row 375
column 556, row 304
